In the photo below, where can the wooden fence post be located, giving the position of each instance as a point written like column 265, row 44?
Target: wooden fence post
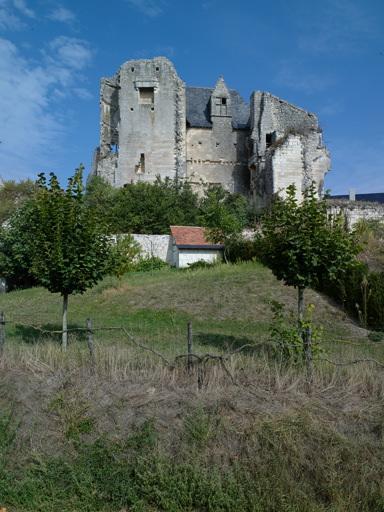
column 189, row 346
column 2, row 332
column 90, row 343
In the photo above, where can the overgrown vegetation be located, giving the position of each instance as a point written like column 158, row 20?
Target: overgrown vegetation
column 361, row 291
column 133, row 434
column 289, row 463
column 13, row 195
column 150, row 208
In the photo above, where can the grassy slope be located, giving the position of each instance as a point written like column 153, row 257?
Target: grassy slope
column 136, row 436
column 227, row 304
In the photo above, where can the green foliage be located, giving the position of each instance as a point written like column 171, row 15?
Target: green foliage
column 149, row 264
column 201, row 427
column 150, row 208
column 240, row 249
column 302, row 244
column 225, row 214
column 361, row 292
column 15, row 257
column 202, row 264
column 370, row 234
column 100, row 197
column 145, row 207
column 13, row 195
column 287, row 340
column 376, row 336
column 123, row 256
column 69, row 251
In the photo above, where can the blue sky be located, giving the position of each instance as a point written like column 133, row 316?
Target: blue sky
column 326, row 56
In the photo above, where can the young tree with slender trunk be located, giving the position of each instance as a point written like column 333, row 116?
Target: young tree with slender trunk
column 69, row 251
column 303, row 244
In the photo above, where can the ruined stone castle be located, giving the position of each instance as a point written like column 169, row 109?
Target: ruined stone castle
column 152, row 125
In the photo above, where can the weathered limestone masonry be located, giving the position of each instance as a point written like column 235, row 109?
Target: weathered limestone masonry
column 353, row 211
column 142, row 123
column 153, row 125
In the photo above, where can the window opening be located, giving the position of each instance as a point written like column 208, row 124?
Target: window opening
column 221, row 106
column 268, row 139
column 140, row 167
column 147, row 95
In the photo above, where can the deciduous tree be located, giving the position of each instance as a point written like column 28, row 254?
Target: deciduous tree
column 303, row 244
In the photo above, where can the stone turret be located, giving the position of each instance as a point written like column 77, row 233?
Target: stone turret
column 220, row 100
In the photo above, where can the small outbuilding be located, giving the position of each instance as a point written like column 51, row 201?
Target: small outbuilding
column 190, row 245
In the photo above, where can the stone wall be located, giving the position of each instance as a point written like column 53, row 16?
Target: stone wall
column 286, row 148
column 218, row 156
column 159, row 246
column 354, row 211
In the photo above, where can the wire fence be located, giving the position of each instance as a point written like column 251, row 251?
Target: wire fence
column 191, row 359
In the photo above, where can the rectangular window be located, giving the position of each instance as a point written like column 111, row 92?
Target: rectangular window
column 268, row 139
column 147, row 95
column 221, row 106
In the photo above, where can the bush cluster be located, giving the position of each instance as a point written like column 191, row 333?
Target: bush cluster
column 361, row 292
column 150, row 208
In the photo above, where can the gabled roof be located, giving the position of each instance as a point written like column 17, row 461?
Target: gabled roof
column 192, row 237
column 198, row 113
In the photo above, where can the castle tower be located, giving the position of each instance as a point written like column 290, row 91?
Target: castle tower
column 148, row 138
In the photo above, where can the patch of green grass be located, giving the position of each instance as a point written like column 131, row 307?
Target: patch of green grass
column 229, row 305
column 291, row 464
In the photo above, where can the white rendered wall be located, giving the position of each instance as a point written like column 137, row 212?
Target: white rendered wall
column 185, row 257
column 159, row 246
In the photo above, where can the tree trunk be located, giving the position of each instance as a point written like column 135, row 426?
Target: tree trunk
column 307, row 341
column 300, row 306
column 64, row 342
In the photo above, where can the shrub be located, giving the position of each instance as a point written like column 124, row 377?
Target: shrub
column 202, row 264
column 287, row 341
column 149, row 264
column 361, row 292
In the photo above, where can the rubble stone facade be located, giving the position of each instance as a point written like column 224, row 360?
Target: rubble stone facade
column 152, row 125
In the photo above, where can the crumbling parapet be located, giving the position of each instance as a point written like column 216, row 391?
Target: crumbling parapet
column 287, row 149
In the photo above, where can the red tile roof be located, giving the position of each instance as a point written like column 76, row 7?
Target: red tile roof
column 192, row 236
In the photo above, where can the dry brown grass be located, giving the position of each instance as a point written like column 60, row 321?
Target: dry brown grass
column 128, row 385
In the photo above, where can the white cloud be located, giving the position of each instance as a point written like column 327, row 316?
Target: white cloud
column 294, row 75
column 82, row 93
column 71, row 52
column 62, row 14
column 8, row 19
column 338, row 26
column 22, row 7
column 150, row 8
column 31, row 99
column 331, row 108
